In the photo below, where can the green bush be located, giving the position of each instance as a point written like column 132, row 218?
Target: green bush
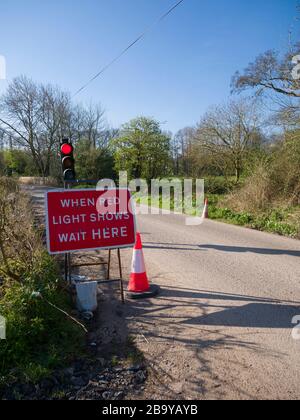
column 274, row 221
column 39, row 337
column 273, row 181
column 219, row 185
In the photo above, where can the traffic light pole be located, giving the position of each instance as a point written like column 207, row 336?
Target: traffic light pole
column 69, row 178
column 68, row 274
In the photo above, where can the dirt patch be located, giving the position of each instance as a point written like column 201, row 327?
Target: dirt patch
column 51, row 182
column 130, row 341
column 112, row 367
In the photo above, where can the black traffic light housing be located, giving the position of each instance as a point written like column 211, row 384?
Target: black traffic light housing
column 67, row 160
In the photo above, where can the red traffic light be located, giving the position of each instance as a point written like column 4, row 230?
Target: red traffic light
column 67, row 149
column 67, row 160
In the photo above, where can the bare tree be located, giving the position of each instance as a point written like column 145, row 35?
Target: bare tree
column 270, row 73
column 54, row 110
column 182, row 143
column 20, row 107
column 77, row 123
column 94, row 123
column 2, row 139
column 36, row 117
column 106, row 136
column 227, row 132
column 277, row 78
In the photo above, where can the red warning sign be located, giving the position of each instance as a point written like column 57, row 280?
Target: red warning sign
column 79, row 220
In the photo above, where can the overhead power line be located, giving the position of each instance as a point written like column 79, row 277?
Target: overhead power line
column 139, row 38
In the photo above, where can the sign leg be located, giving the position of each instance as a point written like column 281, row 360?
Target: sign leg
column 108, row 265
column 70, row 268
column 66, row 268
column 121, row 276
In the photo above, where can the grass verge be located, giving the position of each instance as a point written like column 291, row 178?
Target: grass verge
column 39, row 338
column 281, row 221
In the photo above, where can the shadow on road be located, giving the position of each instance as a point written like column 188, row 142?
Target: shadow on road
column 263, row 251
column 178, row 323
column 171, row 247
column 222, row 248
column 253, row 315
column 258, row 313
column 174, row 248
column 183, row 293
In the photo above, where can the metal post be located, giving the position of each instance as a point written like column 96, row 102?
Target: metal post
column 121, row 276
column 70, row 268
column 66, row 255
column 66, row 267
column 108, row 265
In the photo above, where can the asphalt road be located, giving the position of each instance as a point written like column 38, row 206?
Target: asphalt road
column 222, row 326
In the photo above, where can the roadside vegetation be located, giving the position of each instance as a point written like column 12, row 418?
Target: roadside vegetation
column 227, row 204
column 39, row 337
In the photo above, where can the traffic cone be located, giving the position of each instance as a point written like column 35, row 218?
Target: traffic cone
column 205, row 211
column 139, row 287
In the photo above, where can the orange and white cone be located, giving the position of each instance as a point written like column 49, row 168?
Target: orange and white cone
column 139, row 286
column 205, row 211
column 138, row 279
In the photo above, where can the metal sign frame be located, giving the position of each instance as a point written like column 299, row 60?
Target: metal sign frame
column 68, row 262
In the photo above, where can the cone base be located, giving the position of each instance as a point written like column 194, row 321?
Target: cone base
column 138, row 283
column 152, row 292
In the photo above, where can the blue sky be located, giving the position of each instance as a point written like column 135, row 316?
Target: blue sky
column 180, row 69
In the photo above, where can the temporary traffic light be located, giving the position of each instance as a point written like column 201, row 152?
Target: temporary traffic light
column 67, row 160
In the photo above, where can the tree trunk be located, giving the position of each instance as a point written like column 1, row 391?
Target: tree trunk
column 238, row 172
